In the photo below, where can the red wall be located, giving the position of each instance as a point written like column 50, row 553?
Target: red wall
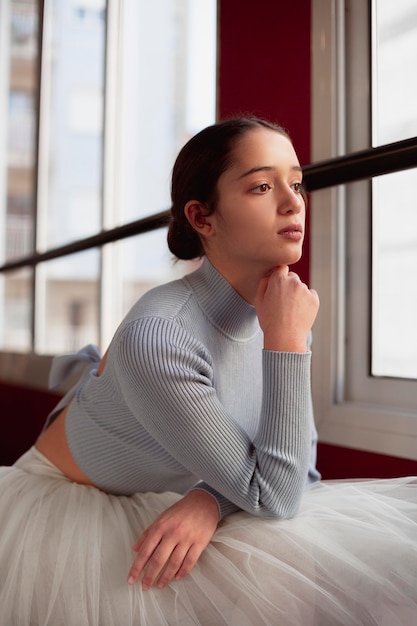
column 339, row 462
column 22, row 416
column 264, row 69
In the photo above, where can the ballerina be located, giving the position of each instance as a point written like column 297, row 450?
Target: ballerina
column 193, row 442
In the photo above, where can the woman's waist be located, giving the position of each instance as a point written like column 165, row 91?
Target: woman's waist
column 117, row 456
column 53, row 444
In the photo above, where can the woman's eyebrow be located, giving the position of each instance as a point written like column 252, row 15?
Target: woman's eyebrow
column 266, row 168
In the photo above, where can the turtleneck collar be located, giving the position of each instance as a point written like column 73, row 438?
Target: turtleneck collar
column 223, row 306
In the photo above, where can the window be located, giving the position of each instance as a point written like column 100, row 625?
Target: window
column 394, row 218
column 363, row 394
column 124, row 84
column 18, row 123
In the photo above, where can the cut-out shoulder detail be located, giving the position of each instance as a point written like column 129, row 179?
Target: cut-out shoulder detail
column 102, row 364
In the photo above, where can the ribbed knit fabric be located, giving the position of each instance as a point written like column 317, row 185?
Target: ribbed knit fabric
column 189, row 399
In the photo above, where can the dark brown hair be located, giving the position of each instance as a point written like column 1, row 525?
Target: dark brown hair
column 196, row 172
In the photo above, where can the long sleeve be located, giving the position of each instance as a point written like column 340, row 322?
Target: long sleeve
column 166, row 377
column 189, row 400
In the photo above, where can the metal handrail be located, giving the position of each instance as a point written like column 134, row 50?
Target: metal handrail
column 137, row 227
column 386, row 159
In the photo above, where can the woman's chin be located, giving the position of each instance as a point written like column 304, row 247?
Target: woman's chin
column 292, row 258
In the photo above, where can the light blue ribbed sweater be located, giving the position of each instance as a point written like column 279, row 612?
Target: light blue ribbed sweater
column 189, row 399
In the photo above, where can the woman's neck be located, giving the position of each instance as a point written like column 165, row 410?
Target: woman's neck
column 245, row 281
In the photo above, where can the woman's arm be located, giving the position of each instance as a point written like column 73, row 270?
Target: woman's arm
column 173, row 543
column 166, row 377
column 171, row 546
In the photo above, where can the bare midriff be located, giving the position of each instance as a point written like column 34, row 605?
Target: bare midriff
column 53, row 444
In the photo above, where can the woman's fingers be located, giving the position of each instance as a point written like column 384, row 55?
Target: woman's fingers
column 164, row 564
column 159, row 561
column 286, row 310
column 173, row 566
column 173, row 543
column 144, row 552
column 189, row 561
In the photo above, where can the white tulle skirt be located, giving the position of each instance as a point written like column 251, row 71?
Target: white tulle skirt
column 348, row 557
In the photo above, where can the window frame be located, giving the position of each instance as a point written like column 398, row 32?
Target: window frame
column 352, row 409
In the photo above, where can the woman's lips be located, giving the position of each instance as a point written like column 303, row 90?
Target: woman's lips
column 294, row 232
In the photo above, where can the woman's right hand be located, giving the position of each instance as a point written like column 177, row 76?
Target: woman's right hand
column 286, row 310
column 171, row 546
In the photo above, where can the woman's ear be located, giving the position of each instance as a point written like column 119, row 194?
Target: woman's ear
column 199, row 217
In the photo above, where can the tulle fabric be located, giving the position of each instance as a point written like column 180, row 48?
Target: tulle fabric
column 348, row 557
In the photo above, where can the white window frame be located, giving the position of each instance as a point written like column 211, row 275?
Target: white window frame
column 352, row 409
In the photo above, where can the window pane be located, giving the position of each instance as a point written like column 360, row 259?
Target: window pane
column 394, row 212
column 167, row 94
column 147, row 262
column 132, row 267
column 67, row 303
column 18, row 106
column 394, row 69
column 394, row 288
column 71, row 122
column 16, row 311
column 18, row 91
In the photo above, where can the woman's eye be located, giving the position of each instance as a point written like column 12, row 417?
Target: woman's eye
column 263, row 188
column 298, row 187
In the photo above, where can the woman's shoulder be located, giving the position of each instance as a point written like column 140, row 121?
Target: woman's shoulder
column 164, row 301
column 164, row 317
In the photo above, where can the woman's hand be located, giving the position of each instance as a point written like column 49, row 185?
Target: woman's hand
column 286, row 310
column 173, row 543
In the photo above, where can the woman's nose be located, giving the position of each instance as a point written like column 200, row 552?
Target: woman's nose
column 290, row 202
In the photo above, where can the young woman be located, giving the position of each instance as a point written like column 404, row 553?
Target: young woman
column 193, row 439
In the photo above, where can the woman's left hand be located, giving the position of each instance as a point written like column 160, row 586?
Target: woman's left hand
column 173, row 543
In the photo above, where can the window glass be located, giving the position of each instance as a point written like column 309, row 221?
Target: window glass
column 19, row 92
column 394, row 213
column 394, row 286
column 167, row 94
column 67, row 292
column 139, row 264
column 18, row 113
column 71, row 126
column 147, row 262
column 70, row 173
column 16, row 312
column 393, row 68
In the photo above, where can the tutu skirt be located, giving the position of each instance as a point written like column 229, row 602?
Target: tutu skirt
column 348, row 557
